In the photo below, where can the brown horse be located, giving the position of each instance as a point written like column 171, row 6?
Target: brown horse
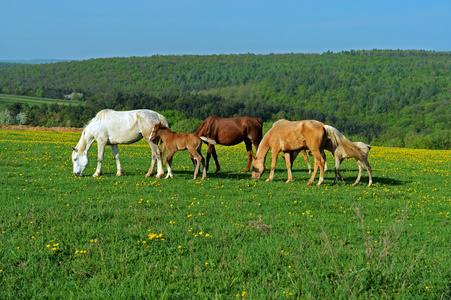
column 287, row 136
column 174, row 142
column 230, row 131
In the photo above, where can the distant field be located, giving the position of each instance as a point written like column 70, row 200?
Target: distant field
column 32, row 101
column 226, row 237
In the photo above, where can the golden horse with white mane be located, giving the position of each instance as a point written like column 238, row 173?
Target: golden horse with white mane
column 290, row 136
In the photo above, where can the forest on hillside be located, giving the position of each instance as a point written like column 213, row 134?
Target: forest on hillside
column 386, row 97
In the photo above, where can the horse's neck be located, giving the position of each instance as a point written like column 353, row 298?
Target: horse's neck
column 164, row 133
column 263, row 149
column 86, row 140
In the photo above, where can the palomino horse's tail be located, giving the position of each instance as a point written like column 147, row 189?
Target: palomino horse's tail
column 339, row 139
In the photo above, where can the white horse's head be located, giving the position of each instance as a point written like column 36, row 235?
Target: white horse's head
column 79, row 161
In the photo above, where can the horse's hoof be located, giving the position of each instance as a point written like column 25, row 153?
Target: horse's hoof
column 268, row 180
column 95, row 175
column 288, row 181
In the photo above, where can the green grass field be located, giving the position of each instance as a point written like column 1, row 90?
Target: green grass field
column 225, row 237
column 32, row 101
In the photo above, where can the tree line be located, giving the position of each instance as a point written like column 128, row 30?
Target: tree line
column 389, row 97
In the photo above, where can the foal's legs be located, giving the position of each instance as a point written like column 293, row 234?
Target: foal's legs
column 338, row 162
column 360, row 164
column 368, row 169
column 120, row 170
column 197, row 154
column 168, row 160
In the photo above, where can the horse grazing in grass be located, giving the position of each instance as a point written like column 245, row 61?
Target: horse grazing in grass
column 174, row 142
column 230, row 131
column 340, row 154
column 287, row 136
column 111, row 127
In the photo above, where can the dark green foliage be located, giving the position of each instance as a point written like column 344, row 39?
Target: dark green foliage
column 362, row 93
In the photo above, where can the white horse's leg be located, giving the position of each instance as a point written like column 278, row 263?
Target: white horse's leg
column 156, row 156
column 101, row 151
column 204, row 172
column 115, row 149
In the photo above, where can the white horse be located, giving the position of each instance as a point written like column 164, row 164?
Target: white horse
column 111, row 127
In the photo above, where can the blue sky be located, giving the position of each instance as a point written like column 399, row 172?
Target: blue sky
column 83, row 29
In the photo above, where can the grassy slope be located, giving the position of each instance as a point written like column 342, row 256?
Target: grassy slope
column 223, row 237
column 32, row 101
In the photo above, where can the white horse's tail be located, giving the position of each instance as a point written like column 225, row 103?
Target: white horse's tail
column 339, row 139
column 163, row 120
column 163, row 148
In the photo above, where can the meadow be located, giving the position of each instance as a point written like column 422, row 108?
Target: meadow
column 224, row 237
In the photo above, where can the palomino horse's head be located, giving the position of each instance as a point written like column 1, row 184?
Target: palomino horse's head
column 79, row 161
column 258, row 168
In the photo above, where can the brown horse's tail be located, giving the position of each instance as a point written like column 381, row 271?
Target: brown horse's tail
column 339, row 139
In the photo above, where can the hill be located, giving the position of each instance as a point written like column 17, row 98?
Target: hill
column 389, row 97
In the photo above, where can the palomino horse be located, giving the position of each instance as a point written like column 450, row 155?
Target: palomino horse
column 287, row 136
column 111, row 127
column 230, row 131
column 174, row 142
